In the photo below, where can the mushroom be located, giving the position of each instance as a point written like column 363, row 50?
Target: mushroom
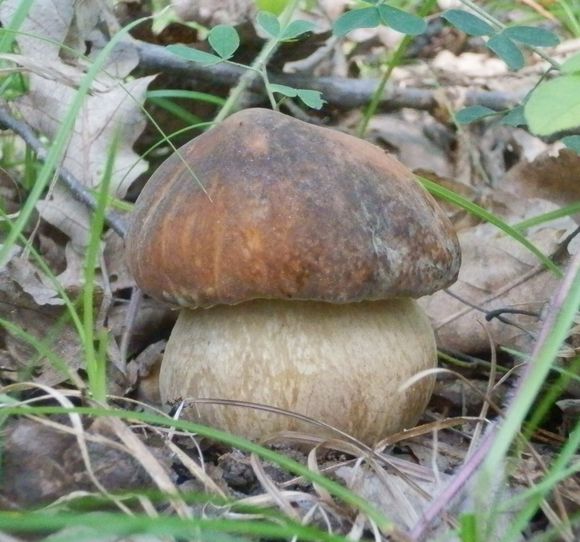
column 295, row 252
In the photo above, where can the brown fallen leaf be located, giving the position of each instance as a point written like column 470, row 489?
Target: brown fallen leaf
column 407, row 135
column 554, row 178
column 112, row 107
column 42, row 464
column 497, row 273
column 49, row 327
column 391, row 492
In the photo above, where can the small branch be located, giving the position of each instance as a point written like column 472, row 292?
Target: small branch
column 77, row 190
column 340, row 92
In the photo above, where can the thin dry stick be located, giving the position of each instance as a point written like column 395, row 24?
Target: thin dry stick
column 73, row 185
column 340, row 92
column 510, row 286
column 540, row 9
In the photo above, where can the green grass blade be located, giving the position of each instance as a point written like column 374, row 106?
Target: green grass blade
column 40, row 346
column 95, row 364
column 60, row 141
column 74, row 315
column 187, row 94
column 7, row 38
column 176, row 110
column 290, row 465
column 538, row 369
column 107, row 524
column 549, row 216
column 450, row 196
column 535, row 495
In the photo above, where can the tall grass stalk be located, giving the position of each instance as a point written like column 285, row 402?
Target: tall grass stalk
column 96, row 359
column 7, row 38
column 565, row 306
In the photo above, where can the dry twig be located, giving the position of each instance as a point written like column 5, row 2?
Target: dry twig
column 73, row 185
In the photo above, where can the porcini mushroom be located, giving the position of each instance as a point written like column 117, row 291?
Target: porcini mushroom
column 296, row 264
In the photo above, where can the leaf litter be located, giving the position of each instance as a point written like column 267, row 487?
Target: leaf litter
column 66, row 459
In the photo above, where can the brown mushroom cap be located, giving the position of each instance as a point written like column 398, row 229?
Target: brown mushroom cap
column 287, row 210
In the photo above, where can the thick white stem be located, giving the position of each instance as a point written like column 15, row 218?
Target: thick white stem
column 341, row 364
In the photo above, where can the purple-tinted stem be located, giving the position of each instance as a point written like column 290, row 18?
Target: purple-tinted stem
column 474, row 462
column 457, row 483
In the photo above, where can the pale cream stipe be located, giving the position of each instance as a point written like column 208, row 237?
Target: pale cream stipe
column 341, row 364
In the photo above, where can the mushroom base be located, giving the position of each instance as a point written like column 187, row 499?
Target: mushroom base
column 339, row 364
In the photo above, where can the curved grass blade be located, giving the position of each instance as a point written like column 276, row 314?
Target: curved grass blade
column 474, row 209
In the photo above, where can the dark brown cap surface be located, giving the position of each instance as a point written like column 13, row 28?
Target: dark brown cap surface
column 287, row 210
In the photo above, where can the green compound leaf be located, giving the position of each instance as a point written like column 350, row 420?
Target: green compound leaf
column 468, row 23
column 312, row 98
column 356, row 18
column 554, row 106
column 572, row 142
column 194, row 55
column 515, row 117
column 269, row 23
column 295, row 29
column 572, row 65
column 401, row 21
column 473, row 113
column 530, row 35
column 224, row 40
column 290, row 92
column 507, row 50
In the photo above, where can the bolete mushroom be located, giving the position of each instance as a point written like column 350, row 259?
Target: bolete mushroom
column 296, row 264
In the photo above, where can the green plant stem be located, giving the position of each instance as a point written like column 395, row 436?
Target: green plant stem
column 395, row 61
column 469, row 365
column 258, row 65
column 378, row 94
column 95, row 363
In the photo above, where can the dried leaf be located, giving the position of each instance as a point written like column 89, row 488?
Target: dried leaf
column 496, row 273
column 42, row 463
column 389, row 492
column 33, row 282
column 111, row 109
column 55, row 333
column 406, row 136
column 553, row 178
column 104, row 116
